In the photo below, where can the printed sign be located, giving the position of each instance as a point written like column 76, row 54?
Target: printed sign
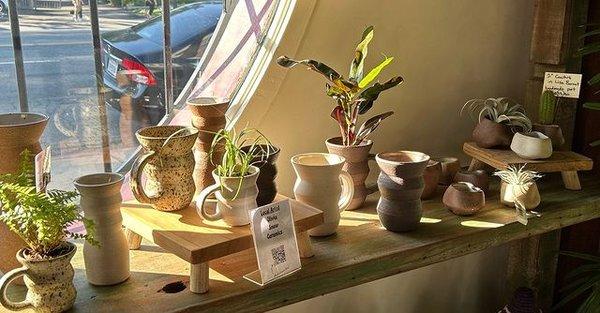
column 275, row 242
column 563, row 84
column 43, row 164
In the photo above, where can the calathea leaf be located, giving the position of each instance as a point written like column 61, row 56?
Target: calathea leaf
column 374, row 73
column 360, row 54
column 334, row 91
column 369, row 95
column 316, row 66
column 370, row 125
column 338, row 114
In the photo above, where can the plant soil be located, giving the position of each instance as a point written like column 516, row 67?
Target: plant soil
column 61, row 250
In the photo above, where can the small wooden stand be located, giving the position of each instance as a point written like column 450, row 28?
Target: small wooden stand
column 197, row 241
column 566, row 162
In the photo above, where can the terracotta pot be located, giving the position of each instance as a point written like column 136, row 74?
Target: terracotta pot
column 234, row 199
column 208, row 116
column 554, row 132
column 528, row 195
column 401, row 184
column 464, row 198
column 267, row 188
column 489, row 134
column 49, row 282
column 450, row 167
column 168, row 163
column 479, row 178
column 108, row 263
column 432, row 174
column 18, row 131
column 322, row 184
column 532, row 145
column 357, row 165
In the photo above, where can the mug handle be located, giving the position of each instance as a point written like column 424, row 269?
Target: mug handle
column 372, row 187
column 347, row 190
column 204, row 194
column 5, row 282
column 136, row 177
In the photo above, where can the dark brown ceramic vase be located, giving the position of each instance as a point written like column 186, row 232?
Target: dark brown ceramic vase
column 401, row 184
column 357, row 165
column 432, row 174
column 18, row 131
column 266, row 162
column 479, row 178
column 208, row 116
column 464, row 198
column 450, row 167
column 489, row 134
column 554, row 132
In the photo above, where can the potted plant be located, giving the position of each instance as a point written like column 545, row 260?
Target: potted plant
column 547, row 115
column 518, row 185
column 497, row 120
column 353, row 97
column 235, row 175
column 585, row 279
column 41, row 220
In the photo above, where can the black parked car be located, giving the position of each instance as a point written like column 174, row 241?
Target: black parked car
column 138, row 52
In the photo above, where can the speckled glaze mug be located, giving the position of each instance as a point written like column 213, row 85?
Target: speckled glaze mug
column 168, row 162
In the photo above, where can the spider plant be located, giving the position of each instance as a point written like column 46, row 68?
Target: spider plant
column 353, row 96
column 500, row 110
column 517, row 175
column 586, row 278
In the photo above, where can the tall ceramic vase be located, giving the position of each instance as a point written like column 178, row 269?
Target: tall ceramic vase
column 108, row 263
column 321, row 183
column 266, row 162
column 401, row 184
column 208, row 116
column 357, row 165
column 18, row 131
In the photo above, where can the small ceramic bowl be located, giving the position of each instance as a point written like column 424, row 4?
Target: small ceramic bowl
column 450, row 167
column 554, row 132
column 432, row 178
column 532, row 145
column 464, row 198
column 479, row 178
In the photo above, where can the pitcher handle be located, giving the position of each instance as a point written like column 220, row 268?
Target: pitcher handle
column 204, row 194
column 5, row 282
column 136, row 177
column 372, row 187
column 347, row 191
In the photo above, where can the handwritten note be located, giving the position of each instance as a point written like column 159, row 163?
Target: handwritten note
column 563, row 84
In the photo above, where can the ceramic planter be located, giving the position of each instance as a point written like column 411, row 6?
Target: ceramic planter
column 464, row 198
column 400, row 184
column 234, row 200
column 208, row 116
column 432, row 174
column 479, row 178
column 357, row 165
column 489, row 134
column 108, row 263
column 528, row 195
column 267, row 189
column 18, row 131
column 450, row 167
column 532, row 145
column 323, row 184
column 168, row 163
column 49, row 282
column 554, row 132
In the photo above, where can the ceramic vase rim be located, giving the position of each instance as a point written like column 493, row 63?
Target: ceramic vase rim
column 254, row 171
column 425, row 157
column 192, row 131
column 535, row 135
column 364, row 143
column 24, row 259
column 445, row 159
column 119, row 178
column 43, row 118
column 217, row 101
column 466, row 187
column 296, row 159
column 276, row 149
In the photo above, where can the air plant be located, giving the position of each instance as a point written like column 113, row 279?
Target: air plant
column 353, row 96
column 585, row 279
column 500, row 110
column 517, row 175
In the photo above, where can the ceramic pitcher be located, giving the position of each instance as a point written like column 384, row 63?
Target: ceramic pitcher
column 208, row 116
column 168, row 162
column 321, row 183
column 108, row 263
column 357, row 165
column 236, row 197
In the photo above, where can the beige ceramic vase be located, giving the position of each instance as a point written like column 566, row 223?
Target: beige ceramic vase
column 168, row 162
column 235, row 200
column 322, row 184
column 108, row 263
column 357, row 165
column 533, row 145
column 528, row 195
column 18, row 131
column 208, row 116
column 50, row 287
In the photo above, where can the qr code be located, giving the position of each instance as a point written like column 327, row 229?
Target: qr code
column 278, row 254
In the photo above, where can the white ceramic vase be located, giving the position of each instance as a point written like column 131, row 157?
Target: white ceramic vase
column 532, row 145
column 527, row 194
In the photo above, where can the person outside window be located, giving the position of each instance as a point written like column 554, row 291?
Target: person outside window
column 151, row 6
column 77, row 10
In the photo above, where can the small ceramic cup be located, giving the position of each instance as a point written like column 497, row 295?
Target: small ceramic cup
column 533, row 145
column 479, row 178
column 450, row 167
column 432, row 174
column 464, row 198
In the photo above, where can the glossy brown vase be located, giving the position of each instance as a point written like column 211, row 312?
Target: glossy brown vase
column 450, row 167
column 464, row 198
column 208, row 116
column 357, row 165
column 489, row 134
column 18, row 131
column 554, row 132
column 401, row 184
column 267, row 188
column 432, row 174
column 479, row 178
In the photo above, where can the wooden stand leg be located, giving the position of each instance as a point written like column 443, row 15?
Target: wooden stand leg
column 199, row 278
column 304, row 245
column 134, row 241
column 476, row 165
column 571, row 180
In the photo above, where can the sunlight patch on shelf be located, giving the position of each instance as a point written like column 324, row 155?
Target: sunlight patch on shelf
column 480, row 224
column 429, row 220
column 354, row 218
